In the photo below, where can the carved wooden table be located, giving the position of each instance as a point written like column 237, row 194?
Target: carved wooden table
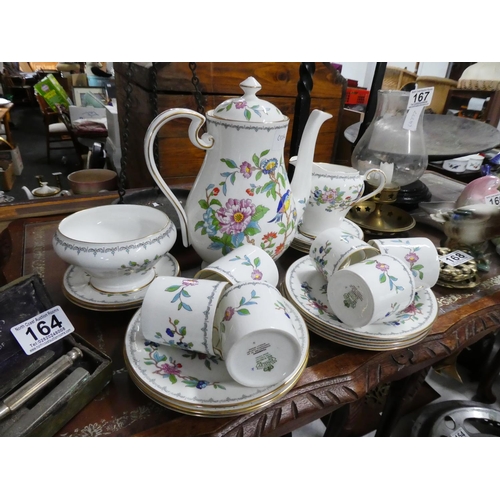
column 335, row 375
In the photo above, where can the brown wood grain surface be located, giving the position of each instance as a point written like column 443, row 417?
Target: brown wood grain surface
column 179, row 160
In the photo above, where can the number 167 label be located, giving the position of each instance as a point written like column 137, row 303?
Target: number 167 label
column 42, row 330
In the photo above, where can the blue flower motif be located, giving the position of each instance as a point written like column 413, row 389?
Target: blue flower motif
column 169, row 332
column 269, row 166
column 151, row 343
column 201, row 384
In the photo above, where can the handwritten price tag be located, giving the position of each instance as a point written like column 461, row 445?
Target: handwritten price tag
column 42, row 330
column 456, row 258
column 419, row 99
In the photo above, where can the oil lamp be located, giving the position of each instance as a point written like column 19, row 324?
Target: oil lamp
column 395, row 143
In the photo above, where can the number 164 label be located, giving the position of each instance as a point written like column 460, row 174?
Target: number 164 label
column 42, row 330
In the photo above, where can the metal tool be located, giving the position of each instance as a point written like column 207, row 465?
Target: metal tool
column 38, row 382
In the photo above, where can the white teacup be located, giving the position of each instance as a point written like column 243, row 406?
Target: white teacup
column 372, row 291
column 245, row 263
column 335, row 189
column 117, row 245
column 180, row 312
column 334, row 249
column 419, row 254
column 254, row 334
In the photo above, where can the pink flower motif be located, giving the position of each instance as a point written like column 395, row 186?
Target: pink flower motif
column 412, row 257
column 188, row 282
column 235, row 216
column 256, row 274
column 383, row 267
column 329, row 196
column 411, row 309
column 228, row 314
column 169, row 369
column 240, row 104
column 246, row 169
column 318, row 305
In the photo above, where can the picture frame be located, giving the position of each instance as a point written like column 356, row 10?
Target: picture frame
column 90, row 96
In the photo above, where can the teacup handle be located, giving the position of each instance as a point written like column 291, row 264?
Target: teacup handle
column 379, row 187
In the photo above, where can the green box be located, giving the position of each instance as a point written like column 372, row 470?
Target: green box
column 51, row 90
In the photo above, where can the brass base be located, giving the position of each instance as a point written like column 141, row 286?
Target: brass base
column 380, row 217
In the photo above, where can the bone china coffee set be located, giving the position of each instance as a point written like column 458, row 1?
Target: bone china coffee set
column 227, row 341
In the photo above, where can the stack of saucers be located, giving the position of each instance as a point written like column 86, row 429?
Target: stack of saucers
column 223, row 343
column 197, row 384
column 306, row 288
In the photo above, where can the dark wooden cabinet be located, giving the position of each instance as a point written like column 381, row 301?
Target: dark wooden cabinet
column 140, row 97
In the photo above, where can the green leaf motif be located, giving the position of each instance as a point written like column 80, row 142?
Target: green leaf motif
column 247, row 114
column 172, row 288
column 281, row 178
column 229, row 163
column 255, row 160
column 382, row 278
column 260, row 211
column 243, row 312
column 251, row 231
column 172, row 378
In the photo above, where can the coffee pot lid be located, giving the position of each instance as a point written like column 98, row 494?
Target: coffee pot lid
column 248, row 107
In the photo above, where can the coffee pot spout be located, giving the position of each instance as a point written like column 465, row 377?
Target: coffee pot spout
column 302, row 177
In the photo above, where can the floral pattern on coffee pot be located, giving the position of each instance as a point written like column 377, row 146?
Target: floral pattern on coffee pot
column 242, row 193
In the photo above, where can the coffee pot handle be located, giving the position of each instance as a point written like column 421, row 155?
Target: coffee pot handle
column 382, row 182
column 204, row 142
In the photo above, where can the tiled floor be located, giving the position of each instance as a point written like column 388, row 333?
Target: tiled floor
column 448, row 388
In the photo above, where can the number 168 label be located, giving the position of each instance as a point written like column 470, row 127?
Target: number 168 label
column 42, row 330
column 455, row 258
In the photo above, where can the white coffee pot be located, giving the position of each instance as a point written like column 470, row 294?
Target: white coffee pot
column 242, row 193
